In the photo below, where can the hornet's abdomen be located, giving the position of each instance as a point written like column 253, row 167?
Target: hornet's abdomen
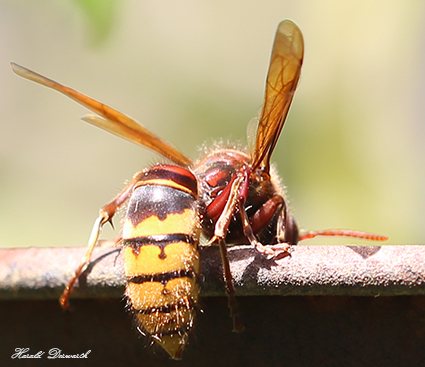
column 161, row 260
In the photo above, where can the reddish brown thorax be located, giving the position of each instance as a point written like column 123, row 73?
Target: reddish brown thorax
column 261, row 196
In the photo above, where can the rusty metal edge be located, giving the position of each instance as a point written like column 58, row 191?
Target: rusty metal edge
column 42, row 273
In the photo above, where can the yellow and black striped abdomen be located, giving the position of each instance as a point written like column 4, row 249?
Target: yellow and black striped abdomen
column 161, row 260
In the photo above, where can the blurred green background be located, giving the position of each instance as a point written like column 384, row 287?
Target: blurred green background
column 351, row 154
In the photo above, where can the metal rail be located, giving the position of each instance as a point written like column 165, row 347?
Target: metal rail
column 41, row 273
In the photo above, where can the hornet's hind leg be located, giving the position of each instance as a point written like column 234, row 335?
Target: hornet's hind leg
column 105, row 215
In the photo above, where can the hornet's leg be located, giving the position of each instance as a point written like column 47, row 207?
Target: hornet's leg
column 220, row 231
column 275, row 205
column 238, row 325
column 105, row 215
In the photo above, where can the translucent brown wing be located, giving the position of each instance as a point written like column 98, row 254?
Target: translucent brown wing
column 282, row 80
column 111, row 120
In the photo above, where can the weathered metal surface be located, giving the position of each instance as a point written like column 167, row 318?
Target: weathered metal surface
column 41, row 273
column 293, row 331
column 280, row 331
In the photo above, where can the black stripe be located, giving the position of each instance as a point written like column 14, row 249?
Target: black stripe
column 159, row 201
column 162, row 278
column 165, row 309
column 180, row 175
column 160, row 240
